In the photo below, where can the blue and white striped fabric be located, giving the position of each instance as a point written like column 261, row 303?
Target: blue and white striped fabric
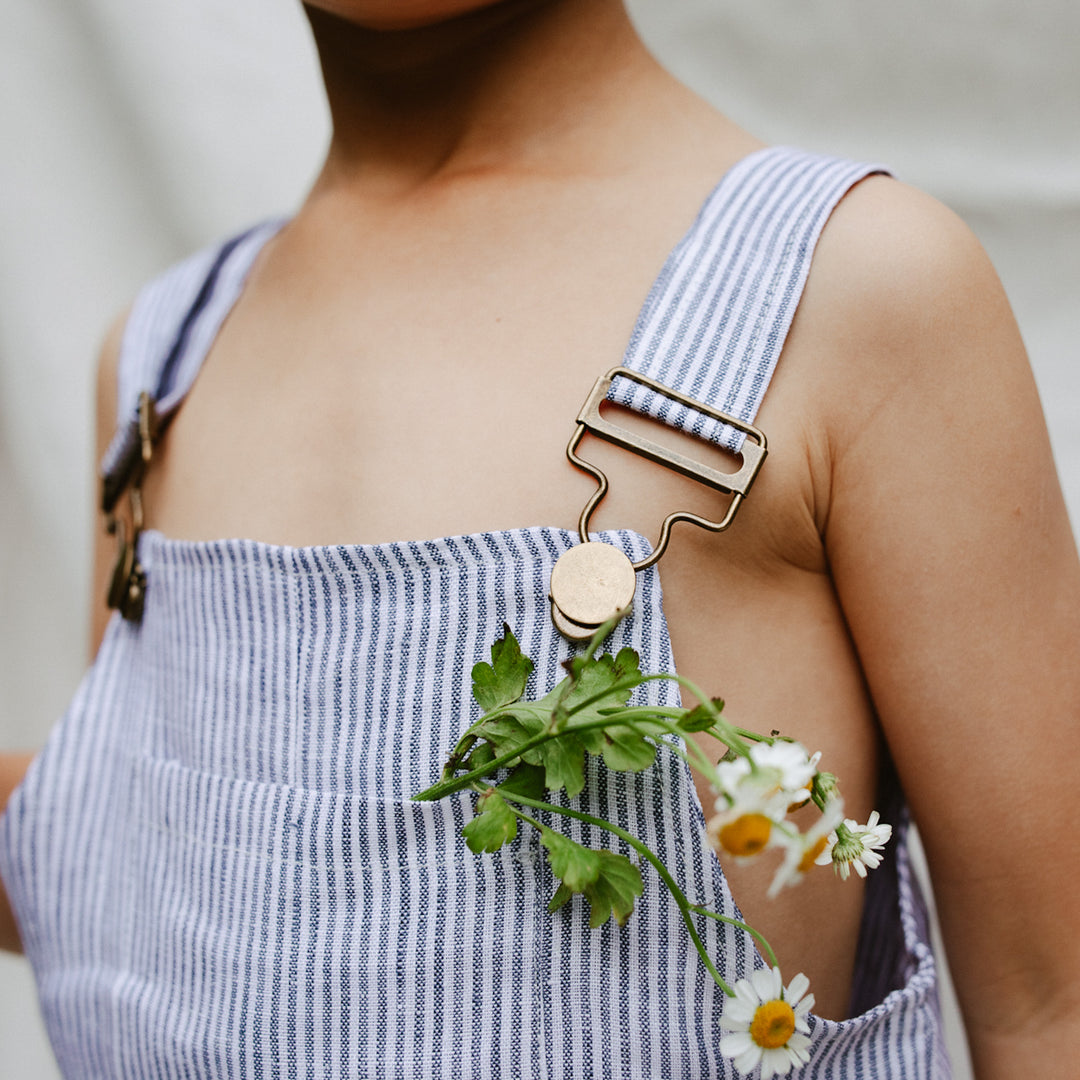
column 162, row 357
column 719, row 312
column 218, row 872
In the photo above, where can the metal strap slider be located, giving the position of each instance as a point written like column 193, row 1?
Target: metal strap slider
column 593, row 582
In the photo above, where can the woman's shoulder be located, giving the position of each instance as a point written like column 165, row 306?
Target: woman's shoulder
column 174, row 314
column 909, row 305
column 893, row 255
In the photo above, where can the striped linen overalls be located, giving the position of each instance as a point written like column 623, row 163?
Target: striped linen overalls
column 215, row 863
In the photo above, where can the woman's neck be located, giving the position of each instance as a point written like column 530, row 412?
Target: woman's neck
column 522, row 86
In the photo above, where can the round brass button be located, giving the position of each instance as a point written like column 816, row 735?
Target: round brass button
column 592, row 582
column 572, row 631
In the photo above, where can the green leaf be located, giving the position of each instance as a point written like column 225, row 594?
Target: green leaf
column 506, row 733
column 608, row 881
column 596, row 680
column 494, row 825
column 576, row 865
column 562, row 896
column 482, row 755
column 605, row 683
column 596, row 677
column 502, row 681
column 563, row 760
column 627, row 750
column 700, row 718
column 527, row 780
column 614, row 890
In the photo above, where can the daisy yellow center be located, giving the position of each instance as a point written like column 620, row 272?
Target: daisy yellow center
column 746, row 835
column 811, row 853
column 773, row 1025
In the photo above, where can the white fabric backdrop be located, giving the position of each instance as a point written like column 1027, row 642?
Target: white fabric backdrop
column 131, row 133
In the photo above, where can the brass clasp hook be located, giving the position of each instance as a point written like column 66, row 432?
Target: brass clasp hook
column 594, row 583
column 127, row 585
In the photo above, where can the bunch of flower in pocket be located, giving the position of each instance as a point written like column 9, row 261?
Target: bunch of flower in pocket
column 524, row 751
column 760, row 783
column 760, row 787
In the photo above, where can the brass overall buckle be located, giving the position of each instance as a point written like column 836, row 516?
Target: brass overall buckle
column 127, row 585
column 594, row 582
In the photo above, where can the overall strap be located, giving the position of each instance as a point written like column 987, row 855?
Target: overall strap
column 714, row 324
column 169, row 331
column 701, row 356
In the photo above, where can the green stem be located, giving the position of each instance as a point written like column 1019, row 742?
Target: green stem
column 644, row 711
column 754, row 736
column 760, row 938
column 653, row 716
column 465, row 744
column 684, row 905
column 609, row 691
column 448, row 787
column 731, row 736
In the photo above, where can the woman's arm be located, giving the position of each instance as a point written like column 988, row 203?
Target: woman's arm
column 952, row 554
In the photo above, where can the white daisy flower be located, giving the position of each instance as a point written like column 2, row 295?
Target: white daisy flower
column 802, row 849
column 767, row 1024
column 783, row 768
column 756, row 792
column 729, row 776
column 804, row 794
column 745, row 810
column 856, row 846
column 743, row 833
column 788, row 763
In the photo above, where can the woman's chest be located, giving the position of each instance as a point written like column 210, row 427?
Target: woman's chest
column 373, row 427
column 403, row 381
